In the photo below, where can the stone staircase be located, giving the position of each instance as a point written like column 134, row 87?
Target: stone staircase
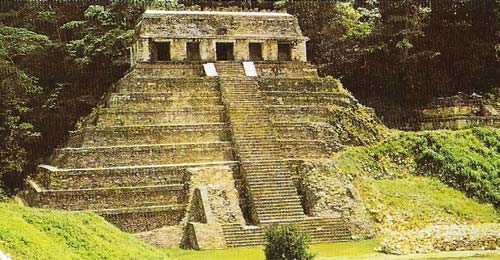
column 320, row 230
column 270, row 189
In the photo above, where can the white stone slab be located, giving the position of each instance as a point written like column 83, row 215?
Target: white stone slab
column 210, row 70
column 250, row 70
column 4, row 256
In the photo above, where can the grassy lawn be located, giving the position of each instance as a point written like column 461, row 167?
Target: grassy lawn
column 330, row 251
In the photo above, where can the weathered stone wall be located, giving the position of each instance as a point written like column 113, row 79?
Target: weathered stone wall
column 217, row 25
column 110, row 198
column 116, row 117
column 51, row 178
column 328, row 192
column 99, row 157
column 315, row 117
column 135, row 221
column 285, row 69
column 139, row 135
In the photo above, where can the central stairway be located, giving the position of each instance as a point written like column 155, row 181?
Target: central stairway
column 271, row 190
column 271, row 193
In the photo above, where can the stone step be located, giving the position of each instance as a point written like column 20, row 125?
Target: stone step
column 270, row 185
column 304, row 131
column 155, row 134
column 294, row 100
column 146, row 101
column 111, row 117
column 309, row 148
column 299, row 85
column 274, row 197
column 154, row 84
column 141, row 219
column 142, row 155
column 320, row 230
column 286, row 201
column 106, row 198
column 49, row 177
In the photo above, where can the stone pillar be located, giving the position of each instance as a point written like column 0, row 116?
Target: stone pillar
column 299, row 52
column 178, row 50
column 270, row 50
column 241, row 51
column 143, row 52
column 207, row 50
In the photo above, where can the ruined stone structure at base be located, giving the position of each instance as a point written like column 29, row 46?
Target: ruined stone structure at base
column 459, row 112
column 208, row 161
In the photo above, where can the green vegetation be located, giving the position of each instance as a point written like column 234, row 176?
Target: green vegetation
column 411, row 180
column 27, row 233
column 415, row 202
column 467, row 160
column 286, row 242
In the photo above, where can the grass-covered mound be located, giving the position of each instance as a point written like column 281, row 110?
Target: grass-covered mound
column 28, row 233
column 414, row 179
column 415, row 202
column 467, row 160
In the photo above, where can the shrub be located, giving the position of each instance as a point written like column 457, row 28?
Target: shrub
column 286, row 242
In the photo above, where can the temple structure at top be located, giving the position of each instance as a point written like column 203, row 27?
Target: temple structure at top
column 179, row 36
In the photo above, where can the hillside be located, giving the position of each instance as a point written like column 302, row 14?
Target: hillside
column 411, row 180
column 28, row 233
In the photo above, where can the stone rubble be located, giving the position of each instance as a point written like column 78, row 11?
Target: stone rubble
column 443, row 238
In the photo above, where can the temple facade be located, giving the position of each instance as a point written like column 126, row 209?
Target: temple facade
column 180, row 36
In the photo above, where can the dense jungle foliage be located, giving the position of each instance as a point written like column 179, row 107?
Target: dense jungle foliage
column 58, row 58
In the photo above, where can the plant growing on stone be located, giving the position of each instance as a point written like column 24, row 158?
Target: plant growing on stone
column 286, row 242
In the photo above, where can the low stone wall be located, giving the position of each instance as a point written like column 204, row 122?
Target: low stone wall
column 444, row 238
column 111, row 117
column 300, row 113
column 109, row 198
column 457, row 122
column 286, row 69
column 168, row 70
column 312, row 149
column 145, row 219
column 300, row 84
column 306, row 98
column 142, row 155
column 112, row 136
column 55, row 179
column 154, row 84
column 304, row 131
column 147, row 101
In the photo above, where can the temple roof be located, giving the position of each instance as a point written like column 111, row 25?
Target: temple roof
column 212, row 24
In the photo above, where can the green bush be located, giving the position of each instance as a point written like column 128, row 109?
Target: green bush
column 286, row 242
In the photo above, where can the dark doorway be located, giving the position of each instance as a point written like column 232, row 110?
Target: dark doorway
column 284, row 51
column 162, row 51
column 193, row 51
column 255, row 51
column 225, row 51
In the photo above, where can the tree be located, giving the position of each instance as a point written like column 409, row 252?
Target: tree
column 17, row 91
column 286, row 242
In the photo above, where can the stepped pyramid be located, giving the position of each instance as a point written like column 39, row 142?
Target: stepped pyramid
column 172, row 147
